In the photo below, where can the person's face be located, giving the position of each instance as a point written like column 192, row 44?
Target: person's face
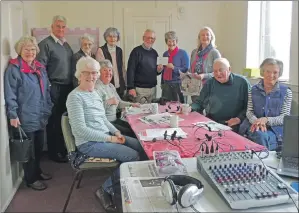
column 171, row 43
column 221, row 72
column 58, row 29
column 106, row 75
column 149, row 39
column 88, row 78
column 111, row 39
column 28, row 52
column 86, row 46
column 271, row 74
column 205, row 37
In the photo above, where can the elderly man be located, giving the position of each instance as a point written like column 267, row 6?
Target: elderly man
column 224, row 96
column 55, row 53
column 111, row 99
column 86, row 43
column 143, row 70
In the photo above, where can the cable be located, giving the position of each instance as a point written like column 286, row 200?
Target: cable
column 194, row 209
column 291, row 197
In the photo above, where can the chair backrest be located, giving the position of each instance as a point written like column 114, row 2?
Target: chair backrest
column 67, row 133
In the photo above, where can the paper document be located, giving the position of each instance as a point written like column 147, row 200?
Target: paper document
column 161, row 118
column 212, row 126
column 150, row 134
column 143, row 109
column 162, row 60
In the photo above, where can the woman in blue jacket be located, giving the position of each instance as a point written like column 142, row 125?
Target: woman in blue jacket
column 28, row 104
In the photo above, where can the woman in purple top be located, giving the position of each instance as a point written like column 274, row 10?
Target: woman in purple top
column 178, row 61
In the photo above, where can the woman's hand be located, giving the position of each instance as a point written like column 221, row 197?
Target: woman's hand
column 132, row 92
column 170, row 65
column 259, row 124
column 120, row 137
column 198, row 76
column 135, row 105
column 15, row 122
column 115, row 139
column 160, row 68
column 112, row 101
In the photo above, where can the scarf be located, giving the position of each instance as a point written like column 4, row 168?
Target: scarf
column 167, row 75
column 34, row 69
column 197, row 65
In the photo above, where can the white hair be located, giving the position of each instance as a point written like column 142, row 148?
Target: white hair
column 87, row 37
column 149, row 31
column 23, row 41
column 58, row 18
column 222, row 61
column 87, row 64
column 105, row 64
column 271, row 61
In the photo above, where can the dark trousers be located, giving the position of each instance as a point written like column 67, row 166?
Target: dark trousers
column 172, row 92
column 55, row 139
column 32, row 168
column 124, row 127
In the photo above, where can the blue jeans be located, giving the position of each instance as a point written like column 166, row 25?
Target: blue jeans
column 131, row 150
column 267, row 139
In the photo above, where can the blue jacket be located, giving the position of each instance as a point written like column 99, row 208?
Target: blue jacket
column 180, row 62
column 267, row 106
column 24, row 97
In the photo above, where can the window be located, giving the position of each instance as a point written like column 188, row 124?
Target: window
column 269, row 33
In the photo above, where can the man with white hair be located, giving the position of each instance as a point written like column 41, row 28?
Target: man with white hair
column 55, row 53
column 224, row 97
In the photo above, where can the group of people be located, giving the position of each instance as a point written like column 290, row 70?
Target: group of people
column 47, row 79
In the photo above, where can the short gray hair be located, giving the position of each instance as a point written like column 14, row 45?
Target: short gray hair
column 149, row 31
column 86, row 63
column 223, row 61
column 170, row 35
column 105, row 64
column 213, row 37
column 58, row 18
column 23, row 41
column 111, row 31
column 86, row 36
column 271, row 61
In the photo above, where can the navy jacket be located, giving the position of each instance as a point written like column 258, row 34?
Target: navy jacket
column 26, row 97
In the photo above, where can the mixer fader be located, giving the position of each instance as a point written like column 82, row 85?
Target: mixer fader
column 243, row 181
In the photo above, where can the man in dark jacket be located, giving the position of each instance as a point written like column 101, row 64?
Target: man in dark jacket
column 143, row 70
column 55, row 53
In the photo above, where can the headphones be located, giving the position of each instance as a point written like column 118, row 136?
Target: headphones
column 170, row 108
column 186, row 196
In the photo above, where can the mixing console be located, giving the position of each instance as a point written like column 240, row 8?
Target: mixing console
column 243, row 181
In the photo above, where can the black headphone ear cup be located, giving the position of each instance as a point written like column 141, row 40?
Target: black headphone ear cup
column 186, row 196
column 168, row 191
column 169, row 107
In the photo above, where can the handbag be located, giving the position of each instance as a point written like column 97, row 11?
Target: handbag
column 21, row 146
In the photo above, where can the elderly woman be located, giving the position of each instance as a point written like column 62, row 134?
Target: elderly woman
column 86, row 45
column 178, row 61
column 202, row 58
column 112, row 101
column 114, row 54
column 94, row 135
column 28, row 104
column 268, row 103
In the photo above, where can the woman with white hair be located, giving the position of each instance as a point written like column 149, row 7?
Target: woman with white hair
column 178, row 62
column 268, row 102
column 202, row 58
column 114, row 54
column 86, row 45
column 94, row 135
column 112, row 102
column 28, row 104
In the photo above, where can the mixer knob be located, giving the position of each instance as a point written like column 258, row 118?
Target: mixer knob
column 275, row 194
column 227, row 190
column 269, row 194
column 246, row 189
column 220, row 167
column 234, row 190
column 244, row 164
column 240, row 189
column 257, row 195
column 230, row 165
column 210, row 167
column 224, row 165
column 215, row 167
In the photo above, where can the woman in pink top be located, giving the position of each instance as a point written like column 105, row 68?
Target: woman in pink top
column 114, row 54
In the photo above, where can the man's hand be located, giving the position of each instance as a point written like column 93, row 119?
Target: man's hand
column 135, row 105
column 132, row 92
column 170, row 65
column 160, row 68
column 112, row 101
column 15, row 122
column 198, row 76
column 233, row 121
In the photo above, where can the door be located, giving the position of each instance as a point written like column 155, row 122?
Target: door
column 136, row 22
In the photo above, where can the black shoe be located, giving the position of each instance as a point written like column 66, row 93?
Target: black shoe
column 59, row 158
column 37, row 185
column 106, row 200
column 44, row 176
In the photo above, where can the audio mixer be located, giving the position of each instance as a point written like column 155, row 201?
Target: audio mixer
column 243, row 181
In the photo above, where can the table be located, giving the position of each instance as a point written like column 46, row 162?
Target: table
column 210, row 201
column 189, row 147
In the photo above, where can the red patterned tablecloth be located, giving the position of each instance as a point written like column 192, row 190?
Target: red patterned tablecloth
column 189, row 147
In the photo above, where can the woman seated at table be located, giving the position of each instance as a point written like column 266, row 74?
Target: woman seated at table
column 111, row 99
column 268, row 103
column 94, row 135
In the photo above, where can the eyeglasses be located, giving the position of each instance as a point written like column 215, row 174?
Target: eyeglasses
column 30, row 50
column 87, row 73
column 149, row 38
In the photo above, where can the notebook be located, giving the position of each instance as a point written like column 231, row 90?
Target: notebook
column 288, row 164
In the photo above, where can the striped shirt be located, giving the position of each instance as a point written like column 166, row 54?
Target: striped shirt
column 272, row 121
column 87, row 117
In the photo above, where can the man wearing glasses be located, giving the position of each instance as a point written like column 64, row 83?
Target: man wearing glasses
column 143, row 69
